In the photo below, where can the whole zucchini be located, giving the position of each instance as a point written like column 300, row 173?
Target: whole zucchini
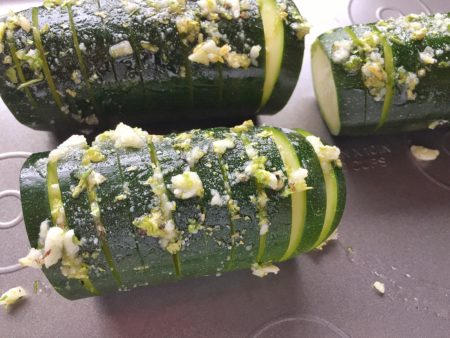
column 390, row 76
column 135, row 209
column 86, row 65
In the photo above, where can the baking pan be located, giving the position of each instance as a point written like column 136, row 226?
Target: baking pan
column 396, row 230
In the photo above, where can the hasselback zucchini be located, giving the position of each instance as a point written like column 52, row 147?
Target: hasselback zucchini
column 87, row 65
column 389, row 76
column 135, row 209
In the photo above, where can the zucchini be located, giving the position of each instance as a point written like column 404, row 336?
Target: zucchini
column 145, row 209
column 389, row 76
column 85, row 66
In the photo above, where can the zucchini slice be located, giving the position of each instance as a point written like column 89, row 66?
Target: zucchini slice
column 298, row 198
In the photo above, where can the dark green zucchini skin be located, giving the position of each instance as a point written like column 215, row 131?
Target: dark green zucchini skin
column 360, row 113
column 144, row 87
column 222, row 242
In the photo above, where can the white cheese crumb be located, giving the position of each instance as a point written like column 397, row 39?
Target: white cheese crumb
column 208, row 52
column 187, row 185
column 74, row 142
column 34, row 259
column 126, row 137
column 424, row 154
column 43, row 229
column 12, row 296
column 76, row 76
column 95, row 179
column 427, row 56
column 254, row 54
column 341, row 51
column 121, row 49
column 324, row 152
column 262, row 270
column 433, row 125
column 221, row 146
column 70, row 247
column 297, row 180
column 216, row 198
column 53, row 247
column 193, row 156
column 235, row 7
column 379, row 287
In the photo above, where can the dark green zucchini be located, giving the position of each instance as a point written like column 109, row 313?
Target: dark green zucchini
column 147, row 209
column 87, row 66
column 390, row 76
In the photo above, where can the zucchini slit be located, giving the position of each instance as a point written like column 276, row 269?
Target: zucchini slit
column 291, row 163
column 58, row 214
column 45, row 68
column 23, row 80
column 175, row 257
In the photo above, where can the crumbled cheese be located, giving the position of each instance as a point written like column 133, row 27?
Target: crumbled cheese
column 76, row 77
column 208, row 52
column 254, row 54
column 156, row 226
column 262, row 270
column 75, row 142
column 297, row 181
column 216, row 199
column 207, row 7
column 187, row 185
column 379, row 287
column 235, row 7
column 126, row 137
column 341, row 51
column 70, row 241
column 375, row 77
column 221, row 146
column 43, row 230
column 301, row 29
column 438, row 123
column 121, row 49
column 53, row 247
column 237, row 60
column 95, row 179
column 424, row 154
column 193, row 156
column 34, row 259
column 324, row 152
column 188, row 28
column 12, row 296
column 427, row 56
